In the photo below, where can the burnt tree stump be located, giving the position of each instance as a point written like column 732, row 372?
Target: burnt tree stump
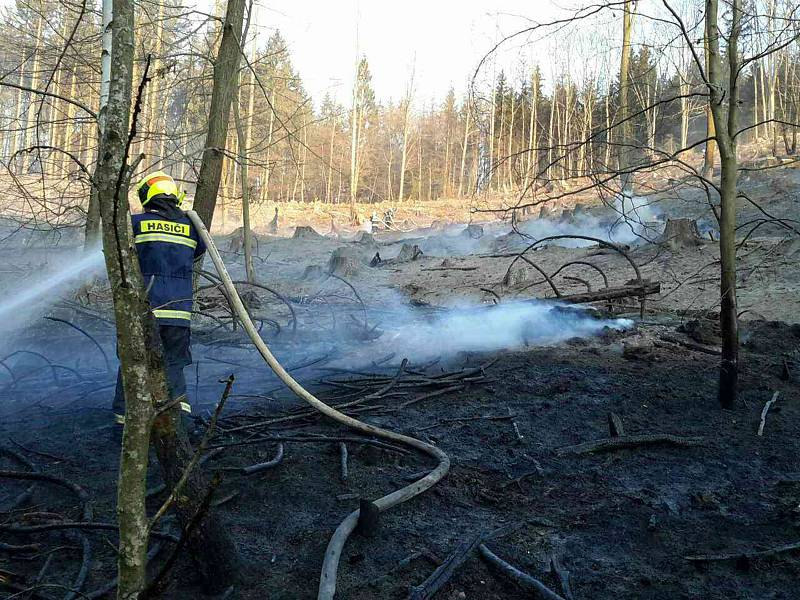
column 273, row 225
column 680, row 233
column 473, row 231
column 344, row 262
column 305, row 232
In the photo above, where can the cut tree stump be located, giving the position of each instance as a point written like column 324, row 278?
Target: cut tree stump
column 473, row 231
column 680, row 233
column 364, row 237
column 408, row 252
column 345, row 261
column 304, row 232
column 273, row 225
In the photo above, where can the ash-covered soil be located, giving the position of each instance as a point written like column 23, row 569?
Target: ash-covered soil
column 626, row 523
column 621, row 522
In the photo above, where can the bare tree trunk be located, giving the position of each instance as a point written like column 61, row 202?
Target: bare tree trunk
column 711, row 144
column 499, row 178
column 226, row 70
column 726, row 122
column 246, row 231
column 329, row 181
column 624, row 68
column 30, row 121
column 533, row 154
column 568, row 93
column 404, row 152
column 464, row 150
column 68, row 125
column 684, row 91
column 143, row 387
column 773, row 77
column 491, row 133
column 756, row 120
column 509, row 152
column 92, row 229
column 550, row 140
column 139, row 349
column 270, row 133
column 303, row 158
column 16, row 136
column 354, row 119
column 608, row 129
column 153, row 98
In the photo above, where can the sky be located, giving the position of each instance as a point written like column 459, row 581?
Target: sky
column 444, row 39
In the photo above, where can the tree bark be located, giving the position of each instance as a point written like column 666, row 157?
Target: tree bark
column 226, row 70
column 404, row 152
column 143, row 380
column 247, row 234
column 464, row 149
column 624, row 67
column 726, row 122
column 711, row 144
column 30, row 122
column 139, row 348
column 92, row 229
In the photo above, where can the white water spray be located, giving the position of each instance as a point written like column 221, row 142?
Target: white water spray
column 31, row 296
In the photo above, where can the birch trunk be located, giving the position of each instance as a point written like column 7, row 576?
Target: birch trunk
column 143, row 386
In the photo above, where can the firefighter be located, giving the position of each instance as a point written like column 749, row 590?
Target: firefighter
column 167, row 244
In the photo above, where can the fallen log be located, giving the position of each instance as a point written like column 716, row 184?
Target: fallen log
column 690, row 345
column 445, row 571
column 647, row 288
column 523, row 580
column 628, row 441
column 745, row 554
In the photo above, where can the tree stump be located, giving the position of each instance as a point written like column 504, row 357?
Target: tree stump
column 313, row 273
column 305, row 232
column 519, row 274
column 473, row 231
column 680, row 233
column 531, row 212
column 408, row 253
column 236, row 242
column 566, row 216
column 364, row 237
column 273, row 225
column 344, row 262
column 547, row 212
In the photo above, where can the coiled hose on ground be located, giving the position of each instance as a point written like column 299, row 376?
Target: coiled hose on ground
column 327, row 580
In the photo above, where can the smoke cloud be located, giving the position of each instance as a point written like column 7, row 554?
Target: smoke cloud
column 494, row 327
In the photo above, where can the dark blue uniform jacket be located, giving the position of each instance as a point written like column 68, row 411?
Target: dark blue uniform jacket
column 167, row 247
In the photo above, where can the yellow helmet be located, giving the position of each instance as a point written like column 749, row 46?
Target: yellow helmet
column 158, row 183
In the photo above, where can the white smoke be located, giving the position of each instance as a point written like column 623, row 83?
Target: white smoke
column 629, row 223
column 492, row 328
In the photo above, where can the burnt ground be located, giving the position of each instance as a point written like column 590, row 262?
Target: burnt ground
column 621, row 522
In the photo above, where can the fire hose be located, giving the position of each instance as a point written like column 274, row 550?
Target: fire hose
column 327, row 580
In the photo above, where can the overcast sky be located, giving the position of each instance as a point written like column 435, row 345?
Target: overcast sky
column 448, row 38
